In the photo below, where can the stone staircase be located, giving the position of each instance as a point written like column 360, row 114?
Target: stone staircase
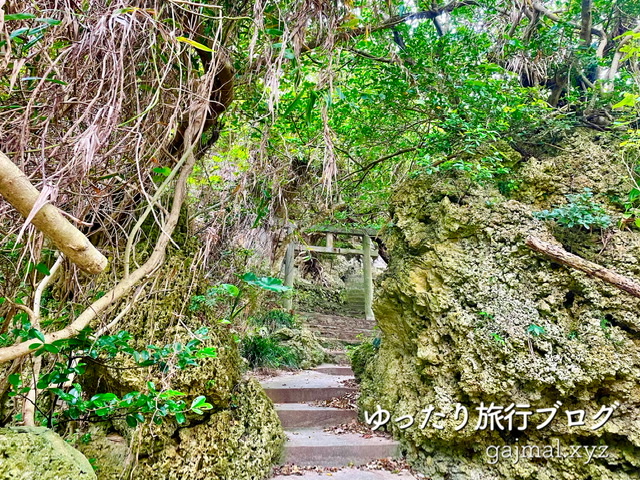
column 339, row 328
column 304, row 423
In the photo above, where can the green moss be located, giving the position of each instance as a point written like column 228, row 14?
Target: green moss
column 29, row 453
column 360, row 356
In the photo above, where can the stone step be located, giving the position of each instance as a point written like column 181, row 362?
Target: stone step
column 306, row 447
column 305, row 394
column 334, row 369
column 349, row 474
column 301, row 415
column 338, row 356
column 305, row 386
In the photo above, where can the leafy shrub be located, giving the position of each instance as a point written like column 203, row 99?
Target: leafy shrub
column 266, row 351
column 581, row 211
column 275, row 319
column 63, row 403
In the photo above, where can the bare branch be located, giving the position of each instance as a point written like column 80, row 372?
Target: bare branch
column 560, row 255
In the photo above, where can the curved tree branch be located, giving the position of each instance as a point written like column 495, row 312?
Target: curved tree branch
column 16, row 188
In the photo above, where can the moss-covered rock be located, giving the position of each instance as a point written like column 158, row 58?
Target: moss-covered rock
column 304, row 343
column 109, row 452
column 28, row 453
column 456, row 309
column 360, row 356
column 239, row 438
column 240, row 443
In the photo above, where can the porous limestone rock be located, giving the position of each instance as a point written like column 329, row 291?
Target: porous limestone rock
column 239, row 443
column 304, row 343
column 28, row 453
column 240, row 438
column 456, row 309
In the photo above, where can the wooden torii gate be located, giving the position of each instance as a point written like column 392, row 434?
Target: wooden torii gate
column 330, row 233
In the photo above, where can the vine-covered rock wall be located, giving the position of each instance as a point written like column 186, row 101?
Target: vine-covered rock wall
column 469, row 316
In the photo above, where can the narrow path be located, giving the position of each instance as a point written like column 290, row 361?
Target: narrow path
column 310, row 441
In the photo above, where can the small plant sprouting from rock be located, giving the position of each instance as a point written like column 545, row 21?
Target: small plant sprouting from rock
column 581, row 211
column 536, row 330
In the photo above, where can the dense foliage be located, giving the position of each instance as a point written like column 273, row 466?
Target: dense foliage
column 114, row 111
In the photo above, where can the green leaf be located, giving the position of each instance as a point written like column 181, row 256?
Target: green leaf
column 266, row 283
column 33, row 333
column 132, row 421
column 18, row 16
column 198, row 401
column 43, row 269
column 171, row 394
column 274, row 31
column 104, row 397
column 294, row 104
column 49, row 21
column 199, row 404
column 180, row 417
column 194, row 44
column 232, row 290
column 165, row 171
column 313, row 96
column 629, row 100
column 535, row 330
column 52, row 80
column 50, row 348
column 209, row 352
column 15, row 380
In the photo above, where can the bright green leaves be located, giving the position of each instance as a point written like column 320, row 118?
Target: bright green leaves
column 18, row 16
column 136, row 407
column 199, row 404
column 164, row 171
column 266, row 283
column 581, row 211
column 26, row 37
column 15, row 380
column 276, row 32
column 628, row 100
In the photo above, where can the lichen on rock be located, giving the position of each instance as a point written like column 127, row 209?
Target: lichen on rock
column 28, row 453
column 456, row 308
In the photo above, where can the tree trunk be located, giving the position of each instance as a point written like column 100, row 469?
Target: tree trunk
column 585, row 31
